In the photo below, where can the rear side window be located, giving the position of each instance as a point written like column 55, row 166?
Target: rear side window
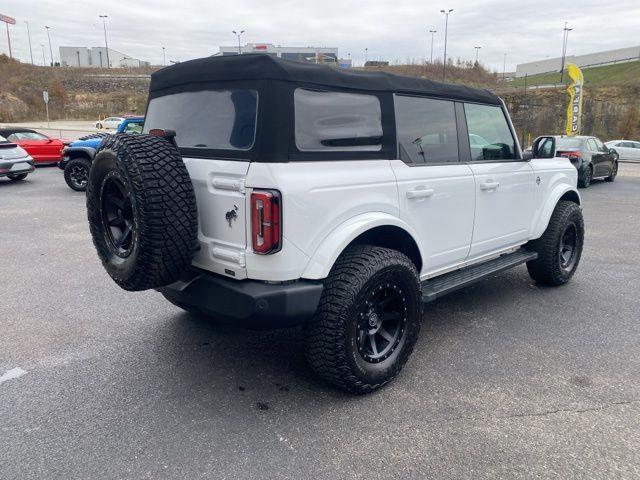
column 591, row 143
column 426, row 130
column 337, row 121
column 210, row 119
column 490, row 137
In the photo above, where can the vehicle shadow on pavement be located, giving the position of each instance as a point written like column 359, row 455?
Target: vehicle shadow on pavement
column 266, row 364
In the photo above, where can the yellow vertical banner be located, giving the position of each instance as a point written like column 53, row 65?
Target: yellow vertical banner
column 574, row 108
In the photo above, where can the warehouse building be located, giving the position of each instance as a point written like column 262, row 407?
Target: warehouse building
column 619, row 55
column 96, row 57
column 300, row 54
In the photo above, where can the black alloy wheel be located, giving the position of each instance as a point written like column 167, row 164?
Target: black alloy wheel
column 568, row 249
column 117, row 215
column 78, row 175
column 381, row 323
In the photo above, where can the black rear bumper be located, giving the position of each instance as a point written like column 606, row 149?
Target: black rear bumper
column 7, row 165
column 248, row 303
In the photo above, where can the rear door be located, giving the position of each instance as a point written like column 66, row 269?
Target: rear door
column 504, row 183
column 436, row 190
column 215, row 130
column 599, row 160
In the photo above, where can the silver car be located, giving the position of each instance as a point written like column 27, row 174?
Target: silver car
column 15, row 162
column 626, row 149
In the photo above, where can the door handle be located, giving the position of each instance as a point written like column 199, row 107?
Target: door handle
column 489, row 185
column 420, row 193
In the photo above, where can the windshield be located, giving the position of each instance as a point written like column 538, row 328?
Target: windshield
column 212, row 119
column 568, row 142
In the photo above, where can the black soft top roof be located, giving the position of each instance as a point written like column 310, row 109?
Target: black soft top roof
column 6, row 131
column 267, row 67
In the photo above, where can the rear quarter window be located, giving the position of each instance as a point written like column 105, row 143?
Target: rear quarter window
column 207, row 119
column 337, row 121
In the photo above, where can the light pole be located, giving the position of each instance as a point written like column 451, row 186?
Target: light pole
column 446, row 32
column 29, row 37
column 366, row 56
column 44, row 60
column 238, row 35
column 164, row 58
column 477, row 51
column 78, row 54
column 432, row 32
column 106, row 45
column 50, row 49
column 565, row 39
column 504, row 66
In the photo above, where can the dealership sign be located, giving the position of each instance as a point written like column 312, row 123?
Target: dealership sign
column 575, row 90
column 6, row 19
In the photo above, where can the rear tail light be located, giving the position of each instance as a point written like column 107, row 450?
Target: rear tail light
column 572, row 155
column 266, row 215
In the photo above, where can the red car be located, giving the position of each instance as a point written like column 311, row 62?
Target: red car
column 43, row 149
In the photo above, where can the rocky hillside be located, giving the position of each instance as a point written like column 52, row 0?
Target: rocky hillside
column 610, row 109
column 75, row 93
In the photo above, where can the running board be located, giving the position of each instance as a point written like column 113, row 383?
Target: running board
column 439, row 286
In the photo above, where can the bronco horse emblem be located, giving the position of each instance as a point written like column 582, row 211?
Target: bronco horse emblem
column 232, row 215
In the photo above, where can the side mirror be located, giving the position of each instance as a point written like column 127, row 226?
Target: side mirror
column 612, row 151
column 544, row 147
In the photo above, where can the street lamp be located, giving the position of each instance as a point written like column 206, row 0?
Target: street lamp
column 164, row 58
column 366, row 56
column 238, row 35
column 565, row 40
column 432, row 32
column 446, row 32
column 504, row 66
column 106, row 45
column 29, row 37
column 50, row 49
column 477, row 51
column 44, row 60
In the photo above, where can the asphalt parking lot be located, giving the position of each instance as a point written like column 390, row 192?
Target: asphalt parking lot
column 508, row 379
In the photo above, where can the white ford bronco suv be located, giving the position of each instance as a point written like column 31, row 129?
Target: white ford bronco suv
column 272, row 193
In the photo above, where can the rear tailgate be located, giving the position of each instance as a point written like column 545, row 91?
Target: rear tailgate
column 220, row 193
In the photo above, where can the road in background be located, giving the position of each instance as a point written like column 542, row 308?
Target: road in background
column 508, row 379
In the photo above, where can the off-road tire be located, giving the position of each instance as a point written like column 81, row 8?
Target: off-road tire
column 586, row 177
column 159, row 202
column 70, row 170
column 331, row 337
column 548, row 268
column 18, row 177
column 613, row 174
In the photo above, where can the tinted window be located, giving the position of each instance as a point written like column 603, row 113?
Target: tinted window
column 426, row 130
column 591, row 144
column 493, row 139
column 601, row 146
column 133, row 128
column 335, row 121
column 568, row 142
column 624, row 144
column 636, row 144
column 216, row 119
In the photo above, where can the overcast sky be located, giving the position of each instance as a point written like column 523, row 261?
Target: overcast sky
column 394, row 30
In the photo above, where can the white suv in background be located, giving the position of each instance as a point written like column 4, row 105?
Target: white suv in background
column 272, row 193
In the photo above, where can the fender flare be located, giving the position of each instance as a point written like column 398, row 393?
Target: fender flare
column 544, row 217
column 88, row 150
column 333, row 245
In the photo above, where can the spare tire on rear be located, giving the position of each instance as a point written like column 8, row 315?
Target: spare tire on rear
column 142, row 211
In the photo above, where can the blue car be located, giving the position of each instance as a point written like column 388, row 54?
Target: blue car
column 77, row 156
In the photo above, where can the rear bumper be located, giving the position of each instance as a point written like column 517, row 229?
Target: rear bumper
column 7, row 167
column 248, row 303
